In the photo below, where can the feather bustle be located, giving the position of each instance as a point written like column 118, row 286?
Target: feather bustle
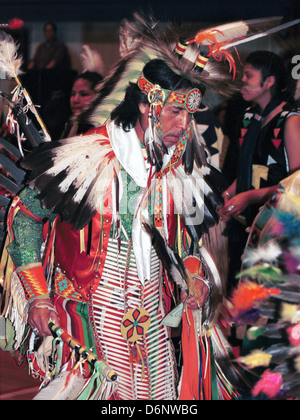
column 73, row 175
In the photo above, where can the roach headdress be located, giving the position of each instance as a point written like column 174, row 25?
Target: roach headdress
column 196, row 58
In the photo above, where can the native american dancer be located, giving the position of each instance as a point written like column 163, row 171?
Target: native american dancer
column 111, row 222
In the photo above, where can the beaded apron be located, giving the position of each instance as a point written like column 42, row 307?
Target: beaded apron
column 146, row 368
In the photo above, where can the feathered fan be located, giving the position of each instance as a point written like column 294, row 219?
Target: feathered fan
column 276, row 299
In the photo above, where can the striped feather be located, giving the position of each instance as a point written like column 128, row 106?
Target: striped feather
column 234, row 30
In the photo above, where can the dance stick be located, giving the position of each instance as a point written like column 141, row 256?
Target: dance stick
column 88, row 355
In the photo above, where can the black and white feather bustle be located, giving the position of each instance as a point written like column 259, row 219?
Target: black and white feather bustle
column 73, row 176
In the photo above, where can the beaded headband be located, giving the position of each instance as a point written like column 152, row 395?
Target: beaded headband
column 158, row 96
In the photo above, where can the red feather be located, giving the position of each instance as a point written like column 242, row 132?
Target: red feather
column 15, row 24
column 248, row 293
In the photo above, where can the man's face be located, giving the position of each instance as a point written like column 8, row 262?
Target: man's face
column 174, row 121
column 254, row 87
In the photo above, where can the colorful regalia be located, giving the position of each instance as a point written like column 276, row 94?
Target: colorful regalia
column 106, row 231
column 268, row 297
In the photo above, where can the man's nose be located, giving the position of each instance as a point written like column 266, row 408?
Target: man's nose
column 184, row 120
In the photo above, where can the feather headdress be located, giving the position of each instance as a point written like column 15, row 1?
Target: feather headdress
column 151, row 41
column 144, row 39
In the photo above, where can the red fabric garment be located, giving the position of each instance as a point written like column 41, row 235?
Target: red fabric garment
column 82, row 269
column 190, row 376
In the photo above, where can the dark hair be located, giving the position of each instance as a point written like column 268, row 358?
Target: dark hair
column 270, row 64
column 157, row 72
column 92, row 77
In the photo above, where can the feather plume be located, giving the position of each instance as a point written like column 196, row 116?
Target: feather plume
column 151, row 41
column 268, row 253
column 67, row 386
column 222, row 33
column 262, row 33
column 248, row 293
column 235, row 30
column 280, row 380
column 10, row 63
column 270, row 384
column 154, row 146
column 15, row 24
column 218, row 38
column 188, row 158
column 256, row 358
column 197, row 197
column 91, row 60
column 191, row 275
column 223, row 356
column 197, row 146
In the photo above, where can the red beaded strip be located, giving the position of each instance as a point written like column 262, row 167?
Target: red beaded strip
column 33, row 281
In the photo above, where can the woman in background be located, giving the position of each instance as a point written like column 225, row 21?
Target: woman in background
column 82, row 94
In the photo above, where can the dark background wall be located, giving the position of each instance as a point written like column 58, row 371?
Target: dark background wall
column 115, row 10
column 96, row 22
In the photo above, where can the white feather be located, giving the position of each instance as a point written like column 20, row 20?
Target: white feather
column 262, row 34
column 91, row 60
column 228, row 31
column 268, row 253
column 67, row 386
column 10, row 63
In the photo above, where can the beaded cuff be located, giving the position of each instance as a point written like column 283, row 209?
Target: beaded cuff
column 33, row 280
